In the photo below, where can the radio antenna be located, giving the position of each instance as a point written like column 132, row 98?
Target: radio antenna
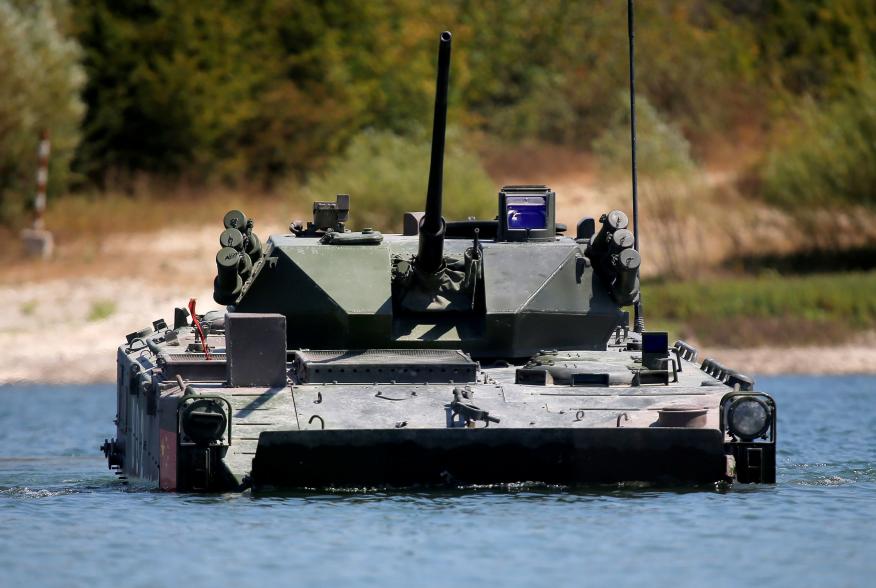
column 639, row 320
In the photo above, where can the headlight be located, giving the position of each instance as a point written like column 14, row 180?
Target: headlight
column 204, row 421
column 748, row 417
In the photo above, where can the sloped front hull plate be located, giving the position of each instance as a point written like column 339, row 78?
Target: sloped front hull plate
column 438, row 457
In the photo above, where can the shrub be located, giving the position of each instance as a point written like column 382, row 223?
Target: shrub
column 829, row 156
column 386, row 174
column 207, row 89
column 661, row 148
column 669, row 179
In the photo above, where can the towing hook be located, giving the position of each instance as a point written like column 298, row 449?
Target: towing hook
column 624, row 415
column 112, row 454
column 321, row 421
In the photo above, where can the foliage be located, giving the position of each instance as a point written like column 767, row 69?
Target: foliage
column 167, row 84
column 40, row 87
column 255, row 92
column 551, row 70
column 386, row 175
column 201, row 89
column 669, row 181
column 261, row 90
column 830, row 156
column 661, row 150
column 812, row 47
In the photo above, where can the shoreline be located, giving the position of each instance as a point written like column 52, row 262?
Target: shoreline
column 64, row 319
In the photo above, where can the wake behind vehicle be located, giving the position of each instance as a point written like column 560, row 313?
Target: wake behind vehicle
column 461, row 352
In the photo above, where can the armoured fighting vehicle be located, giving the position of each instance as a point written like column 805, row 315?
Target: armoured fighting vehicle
column 461, row 352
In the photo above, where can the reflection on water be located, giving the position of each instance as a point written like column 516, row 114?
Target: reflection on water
column 65, row 520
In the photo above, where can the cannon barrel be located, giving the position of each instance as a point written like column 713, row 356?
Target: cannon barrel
column 430, row 254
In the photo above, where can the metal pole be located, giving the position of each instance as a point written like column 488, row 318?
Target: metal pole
column 639, row 320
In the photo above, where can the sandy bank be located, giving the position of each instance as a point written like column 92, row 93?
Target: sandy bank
column 64, row 319
column 67, row 331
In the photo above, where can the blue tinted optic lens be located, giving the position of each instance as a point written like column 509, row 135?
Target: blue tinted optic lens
column 526, row 212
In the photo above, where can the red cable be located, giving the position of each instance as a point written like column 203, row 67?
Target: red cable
column 198, row 326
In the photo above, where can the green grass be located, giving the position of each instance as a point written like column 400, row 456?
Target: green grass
column 101, row 309
column 771, row 309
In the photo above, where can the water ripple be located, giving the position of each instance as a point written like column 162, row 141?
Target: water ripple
column 25, row 492
column 66, row 520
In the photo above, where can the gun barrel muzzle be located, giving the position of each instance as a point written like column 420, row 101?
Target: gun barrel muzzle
column 430, row 254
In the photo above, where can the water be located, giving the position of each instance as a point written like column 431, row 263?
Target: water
column 66, row 521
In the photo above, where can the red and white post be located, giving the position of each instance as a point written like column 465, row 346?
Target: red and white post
column 42, row 180
column 38, row 242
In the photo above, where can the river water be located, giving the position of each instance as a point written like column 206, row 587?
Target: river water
column 66, row 521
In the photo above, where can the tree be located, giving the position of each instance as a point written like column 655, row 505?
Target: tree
column 40, row 91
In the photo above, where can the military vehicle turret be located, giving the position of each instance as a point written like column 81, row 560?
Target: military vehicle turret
column 460, row 352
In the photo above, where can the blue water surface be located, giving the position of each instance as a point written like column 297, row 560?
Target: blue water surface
column 66, row 521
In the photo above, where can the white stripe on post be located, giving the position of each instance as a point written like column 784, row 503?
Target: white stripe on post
column 42, row 179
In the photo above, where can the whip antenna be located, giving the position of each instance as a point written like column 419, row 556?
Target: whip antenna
column 639, row 320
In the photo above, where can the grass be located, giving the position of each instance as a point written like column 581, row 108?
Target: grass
column 101, row 310
column 153, row 207
column 385, row 174
column 765, row 310
column 28, row 308
column 81, row 222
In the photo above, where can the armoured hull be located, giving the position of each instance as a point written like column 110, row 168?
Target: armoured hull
column 393, row 418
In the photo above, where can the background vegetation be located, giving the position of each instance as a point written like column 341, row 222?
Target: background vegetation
column 387, row 174
column 829, row 157
column 224, row 91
